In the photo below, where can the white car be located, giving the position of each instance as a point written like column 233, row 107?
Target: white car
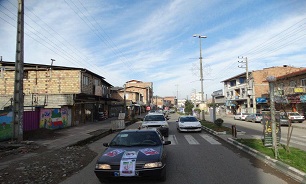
column 295, row 117
column 241, row 116
column 156, row 120
column 188, row 124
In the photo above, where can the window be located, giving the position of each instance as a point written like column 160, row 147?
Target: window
column 232, row 83
column 232, row 93
column 292, row 84
column 85, row 80
column 281, row 86
column 242, row 80
column 227, row 94
column 303, row 82
column 96, row 82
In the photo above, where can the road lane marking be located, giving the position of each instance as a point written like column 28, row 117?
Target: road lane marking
column 191, row 140
column 210, row 139
column 173, row 139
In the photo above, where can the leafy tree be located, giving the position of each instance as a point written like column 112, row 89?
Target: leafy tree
column 188, row 107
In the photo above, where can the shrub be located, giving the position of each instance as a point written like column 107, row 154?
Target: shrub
column 219, row 122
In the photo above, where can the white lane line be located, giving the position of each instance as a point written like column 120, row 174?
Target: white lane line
column 191, row 140
column 173, row 139
column 210, row 139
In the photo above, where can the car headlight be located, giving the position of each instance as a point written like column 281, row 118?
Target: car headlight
column 152, row 165
column 103, row 166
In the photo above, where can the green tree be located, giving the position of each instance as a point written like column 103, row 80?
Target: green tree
column 188, row 107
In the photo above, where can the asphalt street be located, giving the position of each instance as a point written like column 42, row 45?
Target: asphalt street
column 197, row 158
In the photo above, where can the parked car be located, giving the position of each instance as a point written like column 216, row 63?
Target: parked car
column 295, row 117
column 255, row 118
column 240, row 116
column 188, row 124
column 133, row 154
column 156, row 120
column 283, row 120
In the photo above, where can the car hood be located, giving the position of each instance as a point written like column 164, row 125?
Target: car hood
column 187, row 123
column 113, row 155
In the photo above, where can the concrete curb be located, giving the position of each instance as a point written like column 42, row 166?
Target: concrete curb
column 220, row 133
column 284, row 168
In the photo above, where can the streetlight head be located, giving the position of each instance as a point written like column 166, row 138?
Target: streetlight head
column 195, row 35
column 203, row 36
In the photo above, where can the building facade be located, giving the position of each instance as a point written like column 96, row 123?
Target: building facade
column 290, row 92
column 85, row 94
column 248, row 93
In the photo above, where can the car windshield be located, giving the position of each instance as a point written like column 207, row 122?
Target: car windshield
column 188, row 119
column 154, row 118
column 294, row 114
column 128, row 139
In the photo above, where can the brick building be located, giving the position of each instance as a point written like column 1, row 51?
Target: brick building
column 239, row 91
column 290, row 92
column 83, row 93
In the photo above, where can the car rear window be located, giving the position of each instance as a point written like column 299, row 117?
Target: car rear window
column 188, row 119
column 154, row 118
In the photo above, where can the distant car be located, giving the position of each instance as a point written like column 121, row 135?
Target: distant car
column 133, row 154
column 283, row 120
column 240, row 116
column 255, row 118
column 188, row 124
column 295, row 117
column 156, row 120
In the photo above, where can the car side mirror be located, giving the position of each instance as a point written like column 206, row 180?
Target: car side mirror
column 106, row 144
column 167, row 142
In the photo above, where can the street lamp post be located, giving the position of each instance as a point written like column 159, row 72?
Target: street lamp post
column 201, row 72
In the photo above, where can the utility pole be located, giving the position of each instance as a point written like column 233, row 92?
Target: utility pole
column 18, row 84
column 176, row 95
column 247, row 80
column 201, row 73
column 271, row 80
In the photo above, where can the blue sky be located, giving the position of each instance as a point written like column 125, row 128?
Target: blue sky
column 152, row 40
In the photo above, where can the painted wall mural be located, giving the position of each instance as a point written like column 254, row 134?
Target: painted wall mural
column 6, row 129
column 54, row 118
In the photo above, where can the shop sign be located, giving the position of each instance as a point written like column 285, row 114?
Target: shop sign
column 298, row 90
column 266, row 120
column 261, row 100
column 294, row 99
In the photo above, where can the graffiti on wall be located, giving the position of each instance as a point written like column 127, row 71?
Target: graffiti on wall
column 6, row 131
column 53, row 118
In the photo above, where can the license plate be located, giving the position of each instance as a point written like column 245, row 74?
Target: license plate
column 117, row 174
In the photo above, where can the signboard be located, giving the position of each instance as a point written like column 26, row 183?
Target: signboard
column 261, row 100
column 267, row 130
column 298, row 90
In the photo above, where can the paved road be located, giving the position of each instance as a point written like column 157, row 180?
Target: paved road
column 198, row 158
column 298, row 138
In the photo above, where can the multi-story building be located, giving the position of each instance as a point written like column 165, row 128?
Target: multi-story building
column 247, row 93
column 290, row 92
column 79, row 93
